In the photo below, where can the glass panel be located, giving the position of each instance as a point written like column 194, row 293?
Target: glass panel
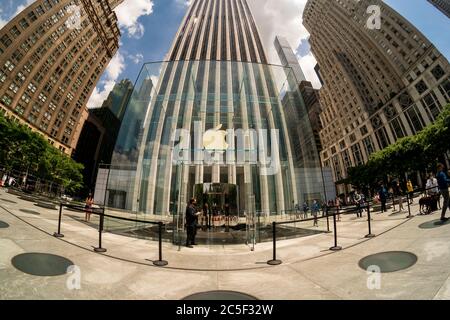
column 190, row 125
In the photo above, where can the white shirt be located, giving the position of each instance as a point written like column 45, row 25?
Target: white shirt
column 432, row 186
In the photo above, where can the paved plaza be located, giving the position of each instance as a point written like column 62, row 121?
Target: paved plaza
column 309, row 270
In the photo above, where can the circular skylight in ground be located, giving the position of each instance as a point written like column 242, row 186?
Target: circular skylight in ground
column 41, row 264
column 389, row 261
column 220, row 295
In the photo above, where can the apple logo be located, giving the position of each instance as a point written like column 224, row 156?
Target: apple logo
column 214, row 139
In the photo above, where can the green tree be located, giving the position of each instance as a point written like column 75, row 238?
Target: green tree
column 25, row 150
column 409, row 154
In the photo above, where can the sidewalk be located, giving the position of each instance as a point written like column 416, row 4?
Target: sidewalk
column 309, row 269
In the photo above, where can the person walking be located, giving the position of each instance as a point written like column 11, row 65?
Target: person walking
column 383, row 194
column 338, row 207
column 324, row 208
column 315, row 211
column 410, row 189
column 305, row 210
column 357, row 199
column 297, row 211
column 398, row 192
column 432, row 191
column 88, row 207
column 443, row 183
column 191, row 222
column 207, row 215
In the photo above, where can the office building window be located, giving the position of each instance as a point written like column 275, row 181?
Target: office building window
column 397, row 128
column 346, row 159
column 6, row 40
column 23, row 23
column 15, row 32
column 6, row 99
column 445, row 90
column 382, row 138
column 431, row 104
column 421, row 87
column 32, row 16
column 438, row 72
column 357, row 155
column 414, row 119
column 337, row 168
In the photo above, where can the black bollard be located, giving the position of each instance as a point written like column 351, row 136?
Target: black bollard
column 409, row 206
column 328, row 221
column 59, row 234
column 336, row 247
column 274, row 261
column 370, row 235
column 160, row 262
column 100, row 230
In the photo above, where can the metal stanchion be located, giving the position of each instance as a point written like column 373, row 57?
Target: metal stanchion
column 328, row 221
column 259, row 226
column 59, row 234
column 160, row 262
column 336, row 247
column 100, row 230
column 370, row 235
column 274, row 261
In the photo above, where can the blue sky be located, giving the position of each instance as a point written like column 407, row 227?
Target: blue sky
column 149, row 26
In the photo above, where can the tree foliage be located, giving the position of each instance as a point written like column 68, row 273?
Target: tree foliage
column 413, row 153
column 24, row 150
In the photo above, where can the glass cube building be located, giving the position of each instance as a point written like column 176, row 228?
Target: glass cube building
column 215, row 122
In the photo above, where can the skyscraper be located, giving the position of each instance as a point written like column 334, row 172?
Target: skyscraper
column 51, row 57
column 380, row 84
column 308, row 93
column 118, row 98
column 215, row 88
column 288, row 57
column 442, row 5
column 218, row 30
column 306, row 96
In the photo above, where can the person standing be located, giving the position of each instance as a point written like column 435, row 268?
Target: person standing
column 357, row 199
column 398, row 192
column 324, row 208
column 337, row 204
column 382, row 193
column 88, row 207
column 315, row 211
column 443, row 182
column 410, row 189
column 207, row 214
column 191, row 222
column 305, row 210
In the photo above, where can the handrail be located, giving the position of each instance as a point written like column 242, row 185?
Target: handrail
column 81, row 208
column 160, row 262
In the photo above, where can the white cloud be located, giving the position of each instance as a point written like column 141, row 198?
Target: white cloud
column 184, row 3
column 284, row 18
column 136, row 58
column 308, row 63
column 22, row 6
column 128, row 14
column 112, row 73
column 2, row 21
column 19, row 8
